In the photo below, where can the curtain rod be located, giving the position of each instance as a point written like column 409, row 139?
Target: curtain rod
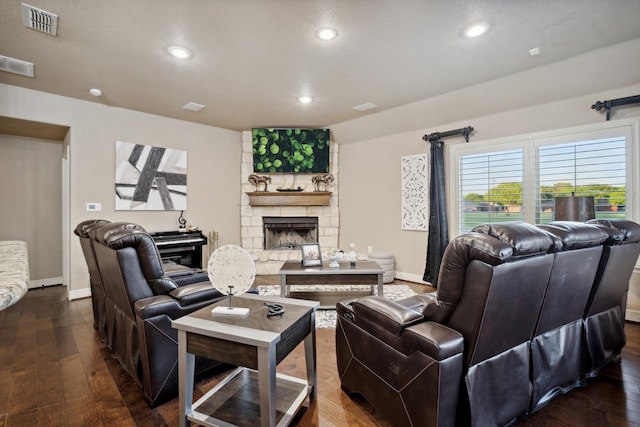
column 608, row 105
column 437, row 136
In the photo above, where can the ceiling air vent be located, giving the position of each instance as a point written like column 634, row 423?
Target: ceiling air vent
column 365, row 107
column 40, row 20
column 16, row 66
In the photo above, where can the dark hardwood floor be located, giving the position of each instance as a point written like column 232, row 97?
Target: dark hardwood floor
column 55, row 371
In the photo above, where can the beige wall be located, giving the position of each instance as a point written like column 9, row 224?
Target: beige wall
column 213, row 154
column 370, row 187
column 31, row 202
column 545, row 98
column 370, row 191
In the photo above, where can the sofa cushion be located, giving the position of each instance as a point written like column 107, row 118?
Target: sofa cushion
column 525, row 239
column 576, row 235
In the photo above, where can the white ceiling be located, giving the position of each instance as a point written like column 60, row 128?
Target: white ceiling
column 252, row 58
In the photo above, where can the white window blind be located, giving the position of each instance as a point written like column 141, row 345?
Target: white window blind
column 490, row 188
column 599, row 160
column 587, row 168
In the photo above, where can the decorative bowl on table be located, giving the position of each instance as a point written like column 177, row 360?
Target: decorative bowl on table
column 334, row 257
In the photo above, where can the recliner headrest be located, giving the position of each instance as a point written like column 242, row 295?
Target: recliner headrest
column 83, row 229
column 629, row 229
column 111, row 234
column 460, row 252
column 524, row 238
column 123, row 235
column 576, row 235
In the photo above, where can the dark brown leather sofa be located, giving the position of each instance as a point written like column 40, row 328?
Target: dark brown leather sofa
column 99, row 301
column 144, row 301
column 557, row 348
column 503, row 335
column 604, row 318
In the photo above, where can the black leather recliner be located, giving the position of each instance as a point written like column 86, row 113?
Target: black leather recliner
column 461, row 355
column 558, row 348
column 540, row 308
column 605, row 313
column 146, row 301
column 101, row 304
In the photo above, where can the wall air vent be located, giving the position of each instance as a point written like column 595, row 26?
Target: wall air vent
column 40, row 20
column 16, row 66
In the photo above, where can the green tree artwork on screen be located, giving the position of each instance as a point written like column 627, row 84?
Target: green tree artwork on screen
column 290, row 150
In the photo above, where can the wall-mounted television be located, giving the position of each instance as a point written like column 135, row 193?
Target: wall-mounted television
column 290, row 150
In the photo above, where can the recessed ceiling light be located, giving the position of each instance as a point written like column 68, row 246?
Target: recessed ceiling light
column 180, row 52
column 327, row 33
column 95, row 92
column 305, row 99
column 476, row 30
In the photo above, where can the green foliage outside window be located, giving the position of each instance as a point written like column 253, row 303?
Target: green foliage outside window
column 510, row 193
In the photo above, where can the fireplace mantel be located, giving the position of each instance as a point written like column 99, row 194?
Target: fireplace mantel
column 293, row 198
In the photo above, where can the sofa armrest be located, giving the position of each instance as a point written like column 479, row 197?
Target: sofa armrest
column 433, row 339
column 188, row 278
column 146, row 308
column 194, row 293
column 388, row 314
column 401, row 328
column 419, row 302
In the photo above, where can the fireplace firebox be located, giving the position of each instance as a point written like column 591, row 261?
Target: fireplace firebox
column 286, row 233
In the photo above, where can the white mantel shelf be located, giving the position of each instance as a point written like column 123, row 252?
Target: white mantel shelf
column 293, row 198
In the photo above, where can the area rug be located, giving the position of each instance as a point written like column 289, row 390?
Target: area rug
column 326, row 318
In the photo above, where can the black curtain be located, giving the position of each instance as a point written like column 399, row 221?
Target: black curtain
column 438, row 227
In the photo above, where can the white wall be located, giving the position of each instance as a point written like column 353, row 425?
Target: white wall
column 553, row 97
column 213, row 156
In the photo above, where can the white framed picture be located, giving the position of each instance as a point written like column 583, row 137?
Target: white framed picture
column 150, row 178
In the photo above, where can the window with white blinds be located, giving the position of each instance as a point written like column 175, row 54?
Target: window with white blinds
column 589, row 168
column 516, row 179
column 490, row 188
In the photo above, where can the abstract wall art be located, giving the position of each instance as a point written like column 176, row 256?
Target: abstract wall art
column 150, row 178
column 415, row 192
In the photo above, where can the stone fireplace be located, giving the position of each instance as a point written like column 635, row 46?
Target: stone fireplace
column 269, row 261
column 286, row 233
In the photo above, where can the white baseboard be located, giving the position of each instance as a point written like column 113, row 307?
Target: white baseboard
column 633, row 316
column 79, row 294
column 410, row 277
column 50, row 281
